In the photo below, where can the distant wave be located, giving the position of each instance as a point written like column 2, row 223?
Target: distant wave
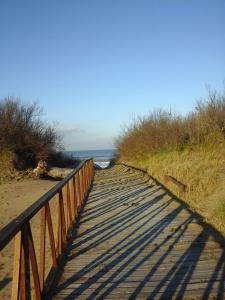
column 101, row 157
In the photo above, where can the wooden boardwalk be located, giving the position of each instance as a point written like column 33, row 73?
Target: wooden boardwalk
column 135, row 241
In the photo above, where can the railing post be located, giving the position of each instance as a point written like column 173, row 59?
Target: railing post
column 81, row 187
column 74, row 197
column 51, row 236
column 59, row 227
column 72, row 200
column 61, row 224
column 16, row 266
column 33, row 262
column 42, row 247
column 85, row 179
column 83, row 174
column 87, row 172
column 69, row 212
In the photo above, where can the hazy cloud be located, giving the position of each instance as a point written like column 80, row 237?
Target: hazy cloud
column 78, row 138
column 70, row 130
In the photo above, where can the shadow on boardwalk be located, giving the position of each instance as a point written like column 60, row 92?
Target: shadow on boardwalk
column 136, row 240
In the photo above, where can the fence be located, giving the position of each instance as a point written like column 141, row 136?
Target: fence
column 69, row 196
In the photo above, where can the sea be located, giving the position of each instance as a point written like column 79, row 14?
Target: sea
column 101, row 158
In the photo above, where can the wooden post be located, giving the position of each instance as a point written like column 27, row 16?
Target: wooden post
column 16, row 266
column 62, row 213
column 78, row 192
column 59, row 228
column 33, row 262
column 75, row 196
column 72, row 199
column 80, row 188
column 68, row 200
column 51, row 236
column 42, row 247
column 83, row 184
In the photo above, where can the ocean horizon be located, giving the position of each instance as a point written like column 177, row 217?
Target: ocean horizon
column 101, row 157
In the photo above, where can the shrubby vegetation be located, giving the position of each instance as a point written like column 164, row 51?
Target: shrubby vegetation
column 163, row 130
column 24, row 135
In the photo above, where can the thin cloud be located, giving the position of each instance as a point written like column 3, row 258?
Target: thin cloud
column 70, row 130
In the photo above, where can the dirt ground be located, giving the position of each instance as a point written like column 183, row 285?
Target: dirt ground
column 15, row 197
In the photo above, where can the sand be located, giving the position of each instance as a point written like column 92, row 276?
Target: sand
column 15, row 197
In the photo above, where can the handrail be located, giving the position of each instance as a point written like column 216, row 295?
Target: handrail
column 69, row 204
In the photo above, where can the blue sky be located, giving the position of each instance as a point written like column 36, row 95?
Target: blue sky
column 93, row 65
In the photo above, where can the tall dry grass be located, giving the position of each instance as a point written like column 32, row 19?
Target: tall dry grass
column 190, row 148
column 162, row 130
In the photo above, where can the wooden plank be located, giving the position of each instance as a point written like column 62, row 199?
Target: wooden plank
column 200, row 275
column 126, row 291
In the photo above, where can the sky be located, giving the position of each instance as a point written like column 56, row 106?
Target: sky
column 94, row 65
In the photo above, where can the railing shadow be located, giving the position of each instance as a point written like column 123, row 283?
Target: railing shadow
column 5, row 281
column 157, row 248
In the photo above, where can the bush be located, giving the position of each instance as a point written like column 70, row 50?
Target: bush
column 62, row 160
column 163, row 130
column 23, row 132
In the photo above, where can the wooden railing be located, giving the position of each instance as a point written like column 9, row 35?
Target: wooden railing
column 69, row 195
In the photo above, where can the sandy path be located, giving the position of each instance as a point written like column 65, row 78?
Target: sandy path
column 15, row 197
